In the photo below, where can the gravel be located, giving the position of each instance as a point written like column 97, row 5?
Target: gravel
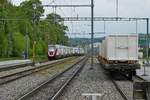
column 48, row 91
column 91, row 81
column 127, row 87
column 15, row 89
column 16, row 70
column 5, row 73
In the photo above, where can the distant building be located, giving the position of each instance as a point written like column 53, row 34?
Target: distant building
column 142, row 41
column 95, row 45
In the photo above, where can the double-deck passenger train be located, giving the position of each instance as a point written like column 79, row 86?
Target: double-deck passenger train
column 59, row 51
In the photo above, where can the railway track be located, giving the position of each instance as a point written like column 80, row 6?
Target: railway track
column 15, row 66
column 139, row 88
column 119, row 89
column 53, row 87
column 14, row 76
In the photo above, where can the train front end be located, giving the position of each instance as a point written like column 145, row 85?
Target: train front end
column 52, row 52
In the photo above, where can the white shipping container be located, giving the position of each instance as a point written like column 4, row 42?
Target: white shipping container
column 120, row 47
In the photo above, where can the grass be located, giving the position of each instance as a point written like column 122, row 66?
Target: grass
column 40, row 58
column 59, row 67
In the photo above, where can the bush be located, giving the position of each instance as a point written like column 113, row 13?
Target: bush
column 19, row 44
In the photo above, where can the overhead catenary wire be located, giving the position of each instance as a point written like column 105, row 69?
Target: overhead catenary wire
column 52, row 2
column 74, row 11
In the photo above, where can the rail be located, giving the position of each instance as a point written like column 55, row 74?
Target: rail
column 12, row 77
column 30, row 93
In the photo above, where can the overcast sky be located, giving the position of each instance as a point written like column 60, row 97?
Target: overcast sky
column 103, row 8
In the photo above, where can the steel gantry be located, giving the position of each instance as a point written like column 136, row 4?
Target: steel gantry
column 102, row 19
column 54, row 6
column 89, row 19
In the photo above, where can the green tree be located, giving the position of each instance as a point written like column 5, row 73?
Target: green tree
column 13, row 32
column 19, row 44
column 32, row 9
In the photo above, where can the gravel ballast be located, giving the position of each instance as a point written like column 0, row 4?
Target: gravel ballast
column 47, row 91
column 91, row 81
column 127, row 87
column 17, row 88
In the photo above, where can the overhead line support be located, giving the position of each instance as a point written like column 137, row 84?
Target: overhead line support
column 101, row 19
column 92, row 33
column 66, row 5
column 89, row 19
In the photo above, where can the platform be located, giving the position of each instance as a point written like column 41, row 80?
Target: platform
column 11, row 63
column 140, row 72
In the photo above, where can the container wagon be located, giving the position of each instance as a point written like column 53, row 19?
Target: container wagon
column 120, row 53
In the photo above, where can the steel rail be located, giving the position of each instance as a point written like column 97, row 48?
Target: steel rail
column 24, row 73
column 125, row 97
column 136, row 76
column 122, row 93
column 14, row 66
column 25, row 96
column 69, row 80
column 141, row 86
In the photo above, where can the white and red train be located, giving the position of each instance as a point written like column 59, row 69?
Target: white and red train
column 59, row 51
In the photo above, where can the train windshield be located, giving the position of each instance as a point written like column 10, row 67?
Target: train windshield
column 51, row 48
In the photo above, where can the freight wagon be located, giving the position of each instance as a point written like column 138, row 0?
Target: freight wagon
column 120, row 53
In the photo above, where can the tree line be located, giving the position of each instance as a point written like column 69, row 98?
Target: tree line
column 21, row 26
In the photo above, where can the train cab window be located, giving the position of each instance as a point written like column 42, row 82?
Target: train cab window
column 51, row 48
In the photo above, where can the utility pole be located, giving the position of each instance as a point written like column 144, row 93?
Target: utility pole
column 34, row 42
column 92, row 33
column 3, row 24
column 10, row 44
column 147, row 39
column 147, row 47
column 117, row 8
column 26, row 51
